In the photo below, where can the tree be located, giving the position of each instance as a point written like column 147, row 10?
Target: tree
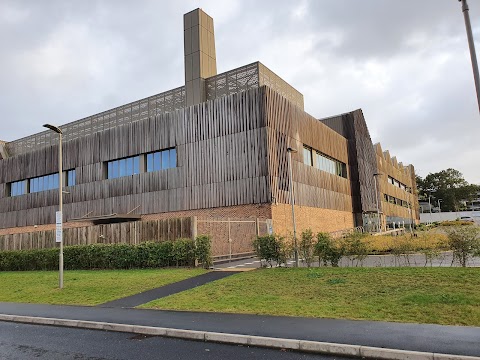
column 449, row 186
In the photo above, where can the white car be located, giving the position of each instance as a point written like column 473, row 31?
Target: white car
column 467, row 218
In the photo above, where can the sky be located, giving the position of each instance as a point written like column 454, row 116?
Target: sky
column 404, row 62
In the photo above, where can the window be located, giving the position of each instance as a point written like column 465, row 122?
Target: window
column 71, row 180
column 325, row 163
column 307, row 156
column 18, row 188
column 162, row 160
column 43, row 183
column 123, row 167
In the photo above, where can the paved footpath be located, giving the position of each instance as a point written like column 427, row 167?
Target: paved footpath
column 417, row 337
column 413, row 260
column 166, row 290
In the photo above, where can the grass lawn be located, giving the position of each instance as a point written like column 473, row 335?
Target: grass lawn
column 85, row 287
column 422, row 295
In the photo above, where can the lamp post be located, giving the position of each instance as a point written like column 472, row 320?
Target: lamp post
column 59, row 219
column 471, row 45
column 376, row 199
column 430, row 207
column 292, row 201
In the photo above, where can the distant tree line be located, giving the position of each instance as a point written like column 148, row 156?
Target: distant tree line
column 449, row 187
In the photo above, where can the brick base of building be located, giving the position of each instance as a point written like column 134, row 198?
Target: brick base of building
column 232, row 229
column 316, row 219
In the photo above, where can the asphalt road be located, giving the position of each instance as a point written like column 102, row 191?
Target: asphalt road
column 22, row 341
column 460, row 340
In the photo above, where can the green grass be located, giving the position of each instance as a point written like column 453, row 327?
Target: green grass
column 85, row 287
column 422, row 295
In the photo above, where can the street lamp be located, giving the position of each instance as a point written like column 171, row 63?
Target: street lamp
column 376, row 198
column 292, row 201
column 471, row 45
column 59, row 215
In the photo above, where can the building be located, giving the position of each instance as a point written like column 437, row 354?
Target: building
column 215, row 147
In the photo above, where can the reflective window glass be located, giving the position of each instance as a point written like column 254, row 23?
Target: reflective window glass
column 157, row 161
column 173, row 158
column 165, row 159
column 122, row 167
column 307, row 156
column 129, row 166
column 136, row 165
column 149, row 162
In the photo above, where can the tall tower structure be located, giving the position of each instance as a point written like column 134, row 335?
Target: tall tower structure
column 200, row 58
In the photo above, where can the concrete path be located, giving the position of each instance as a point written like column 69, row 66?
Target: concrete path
column 414, row 260
column 417, row 337
column 166, row 290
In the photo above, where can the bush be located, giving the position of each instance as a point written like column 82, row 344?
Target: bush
column 203, row 250
column 327, row 251
column 181, row 252
column 307, row 246
column 464, row 242
column 270, row 248
column 455, row 223
column 355, row 247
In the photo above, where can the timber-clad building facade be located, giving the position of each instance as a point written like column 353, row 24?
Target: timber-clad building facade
column 216, row 146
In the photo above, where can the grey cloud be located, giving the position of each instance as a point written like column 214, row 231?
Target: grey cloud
column 405, row 63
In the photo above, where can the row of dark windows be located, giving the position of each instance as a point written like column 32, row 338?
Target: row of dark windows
column 323, row 162
column 41, row 183
column 398, row 184
column 393, row 200
column 159, row 160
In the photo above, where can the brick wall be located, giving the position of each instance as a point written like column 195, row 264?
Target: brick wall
column 252, row 211
column 324, row 220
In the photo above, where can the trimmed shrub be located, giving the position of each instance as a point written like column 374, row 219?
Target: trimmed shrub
column 182, row 252
column 203, row 250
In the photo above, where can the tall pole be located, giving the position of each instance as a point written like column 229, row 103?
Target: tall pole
column 471, row 45
column 59, row 220
column 292, row 201
column 430, row 207
column 376, row 200
column 60, row 208
column 411, row 217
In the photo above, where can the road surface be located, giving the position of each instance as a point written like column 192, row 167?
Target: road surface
column 22, row 341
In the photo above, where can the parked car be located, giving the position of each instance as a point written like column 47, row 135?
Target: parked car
column 467, row 218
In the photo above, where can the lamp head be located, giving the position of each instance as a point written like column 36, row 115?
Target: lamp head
column 53, row 128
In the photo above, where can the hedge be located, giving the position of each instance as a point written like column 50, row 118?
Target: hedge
column 181, row 252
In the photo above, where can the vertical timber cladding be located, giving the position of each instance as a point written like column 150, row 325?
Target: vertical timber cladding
column 366, row 162
column 288, row 125
column 389, row 166
column 221, row 161
column 362, row 160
